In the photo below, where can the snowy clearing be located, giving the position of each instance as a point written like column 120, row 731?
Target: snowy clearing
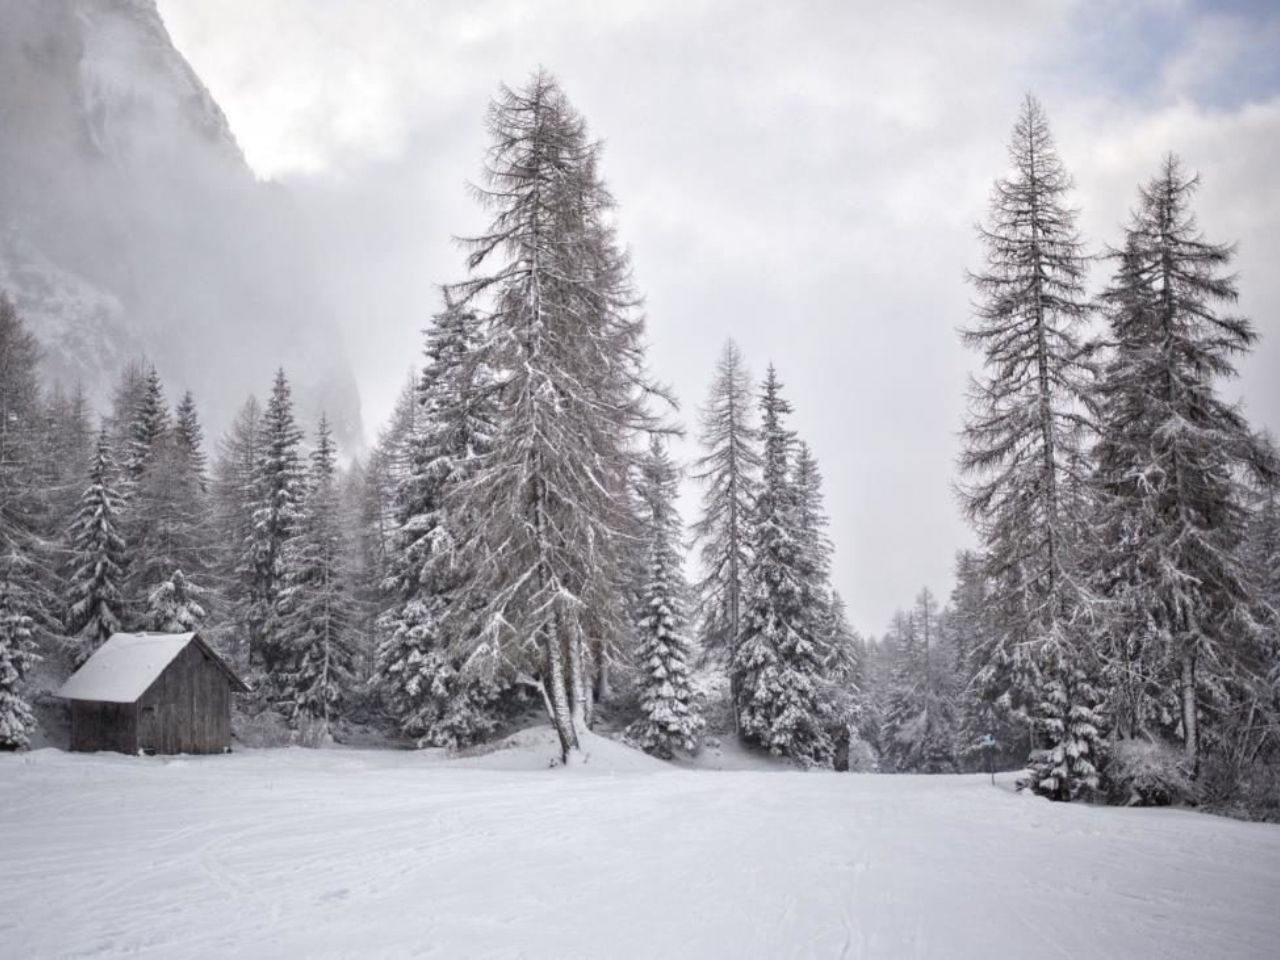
column 294, row 852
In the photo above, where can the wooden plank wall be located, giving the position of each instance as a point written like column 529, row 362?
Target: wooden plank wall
column 188, row 708
column 104, row 726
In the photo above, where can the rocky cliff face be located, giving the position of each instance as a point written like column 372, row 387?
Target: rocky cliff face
column 131, row 225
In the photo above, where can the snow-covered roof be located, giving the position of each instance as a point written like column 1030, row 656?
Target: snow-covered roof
column 121, row 670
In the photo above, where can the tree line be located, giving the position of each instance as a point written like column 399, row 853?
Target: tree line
column 1116, row 629
column 512, row 539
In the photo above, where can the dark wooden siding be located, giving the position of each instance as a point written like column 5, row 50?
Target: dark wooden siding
column 104, row 726
column 188, row 708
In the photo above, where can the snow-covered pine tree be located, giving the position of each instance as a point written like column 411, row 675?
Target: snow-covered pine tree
column 777, row 664
column 17, row 653
column 314, row 609
column 1254, row 733
column 1028, row 422
column 189, row 437
column 548, row 507
column 815, row 558
column 233, row 500
column 728, row 470
column 1068, row 717
column 844, row 684
column 385, row 472
column 670, row 719
column 97, row 550
column 1263, row 551
column 175, row 605
column 1173, row 464
column 193, row 528
column 27, row 602
column 68, row 451
column 278, row 485
column 979, row 717
column 829, row 623
column 919, row 715
column 147, row 428
column 418, row 666
column 166, row 517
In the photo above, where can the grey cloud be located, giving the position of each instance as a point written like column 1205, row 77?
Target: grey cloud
column 803, row 177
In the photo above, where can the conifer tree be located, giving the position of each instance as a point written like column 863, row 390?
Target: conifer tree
column 314, row 606
column 175, row 605
column 1263, row 550
column 189, row 437
column 97, row 548
column 728, row 470
column 1172, row 467
column 548, row 509
column 919, row 716
column 167, row 518
column 418, row 666
column 815, row 557
column 147, row 428
column 21, row 508
column 1028, row 424
column 17, row 653
column 670, row 719
column 277, row 488
column 69, row 449
column 846, row 657
column 978, row 716
column 777, row 667
column 1069, row 719
column 231, row 519
column 28, row 597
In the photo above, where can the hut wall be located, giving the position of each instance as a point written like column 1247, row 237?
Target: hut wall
column 187, row 709
column 104, row 726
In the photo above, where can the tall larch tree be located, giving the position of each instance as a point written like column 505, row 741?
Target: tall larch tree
column 549, row 503
column 777, row 665
column 1028, row 420
column 669, row 716
column 1173, row 466
column 728, row 470
column 96, row 605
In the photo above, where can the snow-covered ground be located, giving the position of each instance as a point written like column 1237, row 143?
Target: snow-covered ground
column 278, row 853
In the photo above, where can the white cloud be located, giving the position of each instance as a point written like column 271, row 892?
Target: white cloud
column 801, row 176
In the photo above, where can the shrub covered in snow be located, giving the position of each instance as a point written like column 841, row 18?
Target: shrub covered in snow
column 1145, row 773
column 1247, row 791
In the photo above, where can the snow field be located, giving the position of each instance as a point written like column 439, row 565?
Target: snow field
column 336, row 853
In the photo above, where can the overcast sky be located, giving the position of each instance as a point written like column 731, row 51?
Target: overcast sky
column 802, row 176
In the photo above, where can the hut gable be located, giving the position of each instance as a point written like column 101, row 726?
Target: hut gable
column 159, row 693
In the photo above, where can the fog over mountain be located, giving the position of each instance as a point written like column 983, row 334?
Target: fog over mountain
column 782, row 178
column 130, row 224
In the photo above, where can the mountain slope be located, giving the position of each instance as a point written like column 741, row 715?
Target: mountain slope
column 130, row 222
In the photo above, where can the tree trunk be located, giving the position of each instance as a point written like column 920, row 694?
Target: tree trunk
column 578, row 690
column 604, row 684
column 558, row 696
column 1190, row 714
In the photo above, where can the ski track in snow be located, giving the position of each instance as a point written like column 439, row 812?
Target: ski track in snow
column 338, row 853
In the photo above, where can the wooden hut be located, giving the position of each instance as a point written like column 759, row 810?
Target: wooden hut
column 152, row 693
